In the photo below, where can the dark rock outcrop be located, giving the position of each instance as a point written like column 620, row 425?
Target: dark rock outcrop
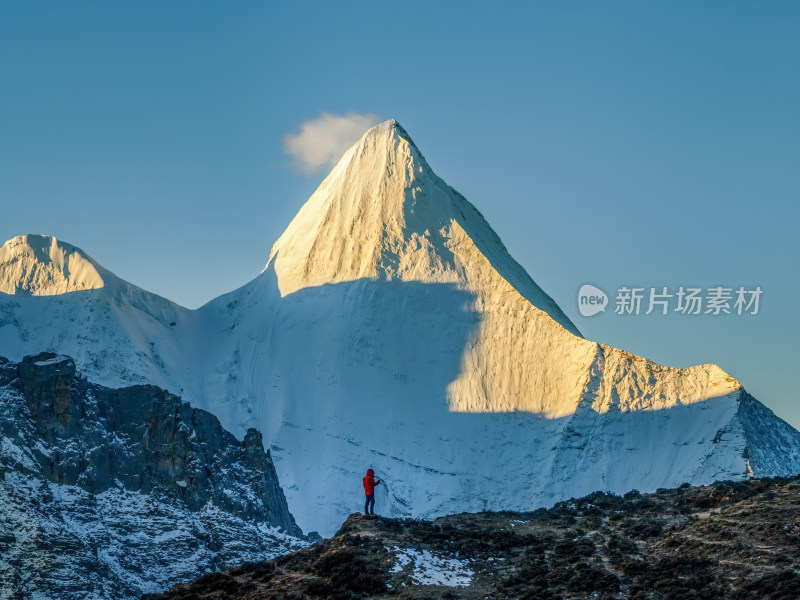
column 116, row 492
column 732, row 540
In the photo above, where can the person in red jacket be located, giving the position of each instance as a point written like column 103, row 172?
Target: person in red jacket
column 369, row 489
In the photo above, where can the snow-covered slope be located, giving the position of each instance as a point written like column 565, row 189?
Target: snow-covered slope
column 391, row 328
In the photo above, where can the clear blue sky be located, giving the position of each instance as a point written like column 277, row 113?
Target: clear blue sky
column 640, row 143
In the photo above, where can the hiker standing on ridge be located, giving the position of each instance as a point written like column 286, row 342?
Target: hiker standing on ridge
column 369, row 489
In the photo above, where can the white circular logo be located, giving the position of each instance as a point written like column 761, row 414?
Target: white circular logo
column 591, row 300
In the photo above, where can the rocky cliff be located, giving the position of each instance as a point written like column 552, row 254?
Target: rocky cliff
column 110, row 493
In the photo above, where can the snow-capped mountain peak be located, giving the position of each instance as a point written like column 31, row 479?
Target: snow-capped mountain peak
column 41, row 265
column 53, row 295
column 382, row 213
column 363, row 217
column 392, row 329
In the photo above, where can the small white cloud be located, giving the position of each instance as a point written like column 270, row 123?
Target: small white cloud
column 322, row 141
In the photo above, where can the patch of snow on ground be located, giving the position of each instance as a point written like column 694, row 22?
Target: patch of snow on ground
column 430, row 569
column 19, row 455
column 52, row 361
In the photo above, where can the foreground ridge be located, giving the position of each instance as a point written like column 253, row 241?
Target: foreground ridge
column 727, row 540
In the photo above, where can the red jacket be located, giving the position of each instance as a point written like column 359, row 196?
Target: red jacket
column 370, row 483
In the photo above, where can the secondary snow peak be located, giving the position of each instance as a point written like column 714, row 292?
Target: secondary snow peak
column 41, row 265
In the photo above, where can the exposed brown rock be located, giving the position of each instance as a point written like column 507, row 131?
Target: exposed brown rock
column 732, row 540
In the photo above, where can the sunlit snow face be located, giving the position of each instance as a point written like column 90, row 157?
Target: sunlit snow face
column 42, row 266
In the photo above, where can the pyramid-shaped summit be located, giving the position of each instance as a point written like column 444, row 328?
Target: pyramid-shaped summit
column 382, row 213
column 391, row 328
